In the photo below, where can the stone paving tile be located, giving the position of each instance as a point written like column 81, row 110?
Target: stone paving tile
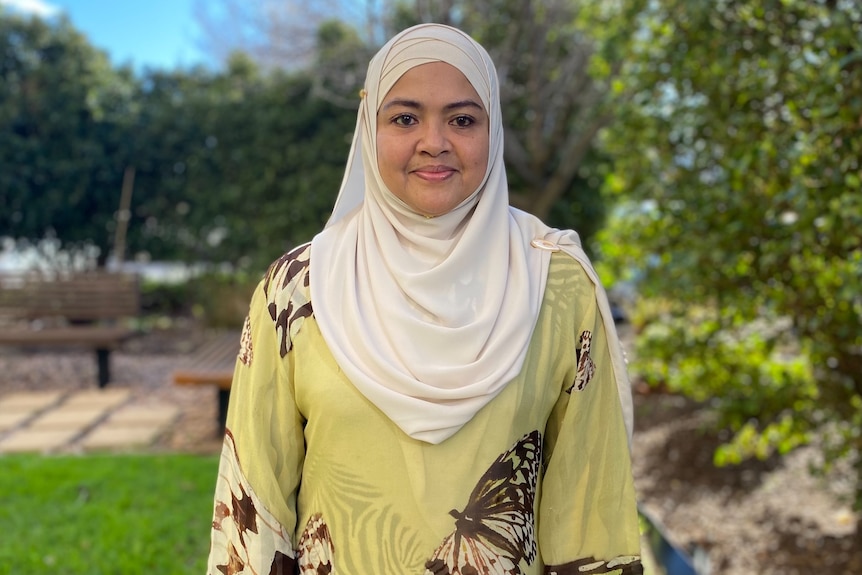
column 116, row 436
column 21, row 409
column 89, row 419
column 105, row 398
column 64, row 418
column 33, row 400
column 11, row 420
column 143, row 415
column 37, row 440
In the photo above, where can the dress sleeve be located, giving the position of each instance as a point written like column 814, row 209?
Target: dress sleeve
column 254, row 517
column 588, row 512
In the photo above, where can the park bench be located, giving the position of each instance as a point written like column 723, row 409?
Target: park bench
column 89, row 309
column 213, row 364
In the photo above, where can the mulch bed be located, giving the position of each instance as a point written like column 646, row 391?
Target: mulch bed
column 758, row 518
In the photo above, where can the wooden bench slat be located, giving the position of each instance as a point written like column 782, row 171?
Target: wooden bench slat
column 89, row 336
column 213, row 363
column 83, row 296
column 69, row 309
column 221, row 379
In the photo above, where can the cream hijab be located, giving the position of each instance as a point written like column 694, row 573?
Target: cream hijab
column 429, row 318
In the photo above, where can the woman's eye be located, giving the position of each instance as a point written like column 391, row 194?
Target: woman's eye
column 463, row 121
column 404, row 120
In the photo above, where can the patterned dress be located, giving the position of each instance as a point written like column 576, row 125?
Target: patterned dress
column 314, row 479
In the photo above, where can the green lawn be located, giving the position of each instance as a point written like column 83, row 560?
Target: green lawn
column 105, row 514
column 111, row 515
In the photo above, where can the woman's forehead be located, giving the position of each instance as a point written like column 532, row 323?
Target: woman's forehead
column 433, row 77
column 437, row 76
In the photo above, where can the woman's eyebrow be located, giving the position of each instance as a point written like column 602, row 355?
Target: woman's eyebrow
column 402, row 103
column 413, row 104
column 464, row 104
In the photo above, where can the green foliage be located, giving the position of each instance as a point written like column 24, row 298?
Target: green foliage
column 234, row 166
column 105, row 514
column 241, row 167
column 341, row 59
column 552, row 107
column 753, row 373
column 242, row 164
column 166, row 299
column 63, row 116
column 737, row 155
column 220, row 300
column 215, row 298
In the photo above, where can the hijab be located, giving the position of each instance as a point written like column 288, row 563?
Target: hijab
column 429, row 318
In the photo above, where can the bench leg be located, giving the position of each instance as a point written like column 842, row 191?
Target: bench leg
column 223, row 397
column 104, row 367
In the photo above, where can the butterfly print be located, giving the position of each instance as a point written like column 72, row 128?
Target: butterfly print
column 244, row 513
column 586, row 366
column 246, row 353
column 495, row 531
column 282, row 564
column 622, row 565
column 315, row 548
column 235, row 563
column 288, row 295
column 246, row 538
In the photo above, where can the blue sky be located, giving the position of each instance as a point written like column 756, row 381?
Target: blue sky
column 143, row 33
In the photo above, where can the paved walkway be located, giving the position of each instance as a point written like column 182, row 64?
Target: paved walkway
column 88, row 420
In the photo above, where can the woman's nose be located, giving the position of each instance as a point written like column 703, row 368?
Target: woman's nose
column 434, row 140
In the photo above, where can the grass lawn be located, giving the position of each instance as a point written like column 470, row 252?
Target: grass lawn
column 113, row 514
column 105, row 514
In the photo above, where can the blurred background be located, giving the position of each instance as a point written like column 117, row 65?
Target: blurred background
column 707, row 151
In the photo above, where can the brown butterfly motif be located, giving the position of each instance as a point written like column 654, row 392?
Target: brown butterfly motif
column 495, row 531
column 315, row 553
column 586, row 366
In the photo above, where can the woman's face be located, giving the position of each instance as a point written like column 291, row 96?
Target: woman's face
column 432, row 138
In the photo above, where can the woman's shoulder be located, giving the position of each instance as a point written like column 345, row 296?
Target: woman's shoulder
column 288, row 272
column 567, row 270
column 287, row 295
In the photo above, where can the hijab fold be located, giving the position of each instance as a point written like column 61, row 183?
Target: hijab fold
column 429, row 318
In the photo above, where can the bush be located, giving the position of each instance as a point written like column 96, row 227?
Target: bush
column 220, row 300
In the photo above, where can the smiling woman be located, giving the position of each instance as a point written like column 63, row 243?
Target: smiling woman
column 434, row 384
column 432, row 139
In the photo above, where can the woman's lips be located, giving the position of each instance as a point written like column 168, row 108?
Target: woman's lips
column 434, row 173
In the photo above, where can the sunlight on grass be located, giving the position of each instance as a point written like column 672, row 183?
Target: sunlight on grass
column 123, row 514
column 113, row 514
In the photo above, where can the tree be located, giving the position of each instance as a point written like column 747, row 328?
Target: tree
column 62, row 112
column 229, row 166
column 235, row 166
column 172, row 135
column 553, row 108
column 739, row 161
column 280, row 34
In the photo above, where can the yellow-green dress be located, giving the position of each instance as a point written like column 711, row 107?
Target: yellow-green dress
column 316, row 479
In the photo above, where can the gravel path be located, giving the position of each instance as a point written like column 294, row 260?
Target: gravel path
column 761, row 518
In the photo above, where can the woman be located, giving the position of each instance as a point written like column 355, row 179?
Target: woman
column 433, row 384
